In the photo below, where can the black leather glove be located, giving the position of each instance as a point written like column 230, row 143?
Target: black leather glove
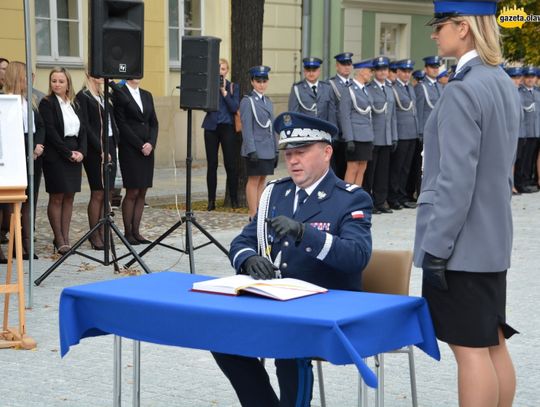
column 259, row 268
column 284, row 226
column 253, row 157
column 394, row 145
column 276, row 161
column 434, row 271
column 350, row 146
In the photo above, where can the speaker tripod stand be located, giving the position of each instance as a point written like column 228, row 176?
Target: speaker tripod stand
column 107, row 222
column 188, row 219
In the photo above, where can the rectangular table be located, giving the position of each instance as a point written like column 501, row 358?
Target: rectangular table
column 341, row 327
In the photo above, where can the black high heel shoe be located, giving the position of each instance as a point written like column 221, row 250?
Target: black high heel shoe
column 97, row 247
column 211, row 205
column 141, row 239
column 62, row 249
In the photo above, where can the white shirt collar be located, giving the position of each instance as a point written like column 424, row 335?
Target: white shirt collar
column 433, row 81
column 311, row 85
column 466, row 58
column 313, row 186
column 343, row 79
column 379, row 83
column 361, row 85
column 136, row 90
column 258, row 94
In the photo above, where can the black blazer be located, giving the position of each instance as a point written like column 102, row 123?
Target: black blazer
column 90, row 111
column 50, row 111
column 136, row 127
column 39, row 134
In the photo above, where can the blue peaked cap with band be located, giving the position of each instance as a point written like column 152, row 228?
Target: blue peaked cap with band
column 312, row 62
column 405, row 64
column 445, row 9
column 418, row 75
column 344, row 57
column 297, row 129
column 368, row 63
column 259, row 71
column 529, row 71
column 434, row 60
column 514, row 71
column 443, row 74
column 381, row 62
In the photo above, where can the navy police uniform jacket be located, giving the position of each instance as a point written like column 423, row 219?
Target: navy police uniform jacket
column 336, row 245
column 303, row 100
column 407, row 118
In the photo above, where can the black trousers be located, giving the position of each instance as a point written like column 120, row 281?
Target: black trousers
column 224, row 135
column 519, row 179
column 252, row 384
column 339, row 158
column 377, row 174
column 415, row 176
column 400, row 167
column 525, row 168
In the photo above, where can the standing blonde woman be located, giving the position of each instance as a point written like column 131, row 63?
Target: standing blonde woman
column 15, row 84
column 92, row 107
column 65, row 148
column 464, row 222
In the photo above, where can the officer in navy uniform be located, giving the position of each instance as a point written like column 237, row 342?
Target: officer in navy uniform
column 530, row 103
column 312, row 222
column 427, row 93
column 408, row 133
column 385, row 136
column 355, row 118
column 312, row 96
column 338, row 84
column 464, row 218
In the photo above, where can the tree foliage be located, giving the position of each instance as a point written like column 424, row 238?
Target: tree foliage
column 522, row 45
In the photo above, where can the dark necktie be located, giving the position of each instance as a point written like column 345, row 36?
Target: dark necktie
column 347, row 82
column 383, row 90
column 263, row 100
column 302, row 196
column 314, row 90
column 437, row 88
column 408, row 91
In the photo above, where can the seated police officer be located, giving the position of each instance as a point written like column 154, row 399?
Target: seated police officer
column 313, row 221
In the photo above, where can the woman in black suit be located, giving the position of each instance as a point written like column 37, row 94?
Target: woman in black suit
column 138, row 125
column 92, row 109
column 15, row 84
column 65, row 147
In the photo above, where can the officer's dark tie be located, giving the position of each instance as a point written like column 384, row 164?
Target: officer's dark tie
column 437, row 88
column 314, row 87
column 408, row 90
column 347, row 82
column 383, row 90
column 301, row 198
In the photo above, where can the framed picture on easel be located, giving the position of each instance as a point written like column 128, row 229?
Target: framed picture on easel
column 12, row 153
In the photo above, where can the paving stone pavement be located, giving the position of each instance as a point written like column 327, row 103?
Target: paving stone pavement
column 185, row 377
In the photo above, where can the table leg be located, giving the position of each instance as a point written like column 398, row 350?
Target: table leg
column 117, row 372
column 136, row 373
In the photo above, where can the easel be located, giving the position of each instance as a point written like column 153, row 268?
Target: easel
column 14, row 337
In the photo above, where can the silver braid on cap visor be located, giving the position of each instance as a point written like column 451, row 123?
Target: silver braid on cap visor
column 303, row 135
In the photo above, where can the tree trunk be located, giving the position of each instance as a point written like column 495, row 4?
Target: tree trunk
column 246, row 37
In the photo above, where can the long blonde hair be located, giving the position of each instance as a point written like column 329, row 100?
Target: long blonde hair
column 88, row 84
column 15, row 80
column 486, row 38
column 69, row 93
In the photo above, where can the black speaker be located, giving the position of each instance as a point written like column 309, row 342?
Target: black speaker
column 199, row 81
column 116, row 38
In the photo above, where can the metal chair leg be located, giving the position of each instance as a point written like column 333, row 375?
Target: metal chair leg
column 379, row 392
column 412, row 373
column 321, row 383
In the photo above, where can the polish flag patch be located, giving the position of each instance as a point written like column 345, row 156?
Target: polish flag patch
column 357, row 214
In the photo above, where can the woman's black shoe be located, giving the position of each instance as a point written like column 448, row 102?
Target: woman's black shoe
column 234, row 204
column 211, row 205
column 142, row 240
column 132, row 241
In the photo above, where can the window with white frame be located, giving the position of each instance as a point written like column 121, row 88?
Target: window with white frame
column 58, row 31
column 185, row 18
column 392, row 35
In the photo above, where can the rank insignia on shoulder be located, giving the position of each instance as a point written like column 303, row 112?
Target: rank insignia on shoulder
column 321, row 194
column 351, row 187
column 460, row 75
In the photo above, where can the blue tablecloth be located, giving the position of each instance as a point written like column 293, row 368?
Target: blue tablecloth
column 339, row 326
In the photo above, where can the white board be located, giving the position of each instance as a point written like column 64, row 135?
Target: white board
column 12, row 155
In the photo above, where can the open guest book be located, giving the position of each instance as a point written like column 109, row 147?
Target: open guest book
column 277, row 288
